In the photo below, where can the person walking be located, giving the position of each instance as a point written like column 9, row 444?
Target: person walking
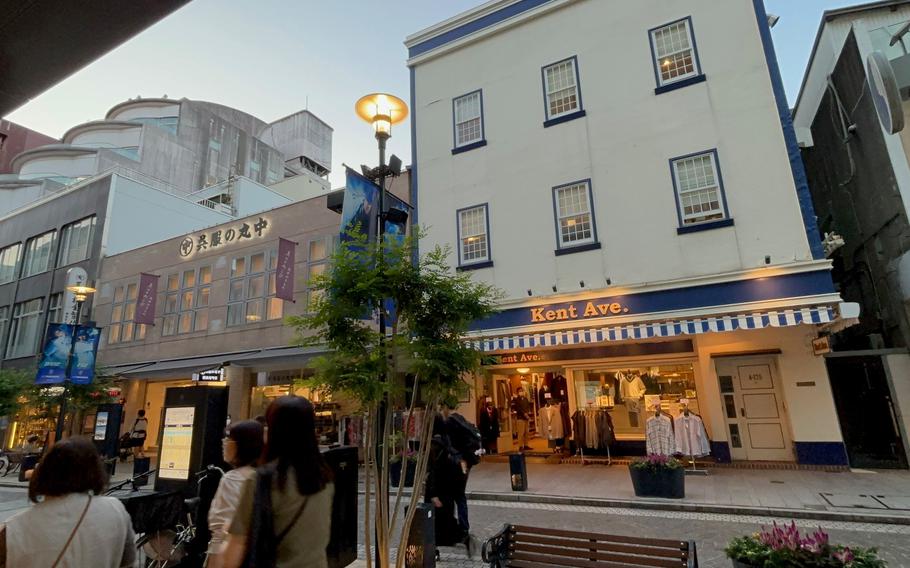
column 521, row 408
column 488, row 422
column 242, row 448
column 138, row 434
column 466, row 444
column 446, row 473
column 70, row 524
column 284, row 516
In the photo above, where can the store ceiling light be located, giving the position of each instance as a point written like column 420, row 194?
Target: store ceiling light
column 523, row 370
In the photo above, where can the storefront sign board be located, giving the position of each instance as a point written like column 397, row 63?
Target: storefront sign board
column 679, row 346
column 217, row 239
column 821, row 345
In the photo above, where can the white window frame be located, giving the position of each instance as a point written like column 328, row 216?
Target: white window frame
column 55, row 308
column 571, row 218
column 719, row 213
column 176, row 311
column 28, row 255
column 656, row 58
column 464, row 237
column 27, row 346
column 66, row 237
column 463, row 100
column 14, row 250
column 123, row 329
column 547, row 93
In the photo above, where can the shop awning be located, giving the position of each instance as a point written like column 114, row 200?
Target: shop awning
column 182, row 367
column 278, row 355
column 758, row 320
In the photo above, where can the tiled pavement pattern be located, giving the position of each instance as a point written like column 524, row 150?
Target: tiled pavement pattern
column 787, row 489
column 711, row 531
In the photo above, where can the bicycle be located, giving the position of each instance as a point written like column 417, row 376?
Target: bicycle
column 170, row 547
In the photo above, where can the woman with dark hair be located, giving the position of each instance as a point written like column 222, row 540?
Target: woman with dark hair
column 294, row 516
column 70, row 523
column 242, row 448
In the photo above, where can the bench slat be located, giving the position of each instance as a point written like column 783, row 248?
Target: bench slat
column 644, row 560
column 645, row 550
column 568, row 562
column 659, row 542
column 527, row 564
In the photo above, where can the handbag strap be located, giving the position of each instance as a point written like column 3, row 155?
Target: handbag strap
column 72, row 534
column 293, row 522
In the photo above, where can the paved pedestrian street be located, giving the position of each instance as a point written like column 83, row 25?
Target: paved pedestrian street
column 711, row 531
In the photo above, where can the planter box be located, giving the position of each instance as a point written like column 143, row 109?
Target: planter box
column 668, row 483
column 395, row 473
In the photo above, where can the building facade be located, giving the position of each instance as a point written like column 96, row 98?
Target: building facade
column 188, row 145
column 627, row 174
column 217, row 315
column 859, row 175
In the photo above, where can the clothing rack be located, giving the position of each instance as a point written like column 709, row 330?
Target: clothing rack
column 579, row 444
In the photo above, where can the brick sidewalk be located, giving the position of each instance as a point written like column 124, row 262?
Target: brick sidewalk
column 880, row 492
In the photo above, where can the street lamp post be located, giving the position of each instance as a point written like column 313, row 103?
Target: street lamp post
column 81, row 293
column 381, row 110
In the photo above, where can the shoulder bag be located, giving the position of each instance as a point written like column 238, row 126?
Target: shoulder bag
column 262, row 543
column 72, row 534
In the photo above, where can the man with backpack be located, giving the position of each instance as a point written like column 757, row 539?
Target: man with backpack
column 466, row 442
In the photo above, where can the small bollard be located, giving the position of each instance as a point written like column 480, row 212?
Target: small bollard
column 140, row 466
column 421, row 550
column 518, row 472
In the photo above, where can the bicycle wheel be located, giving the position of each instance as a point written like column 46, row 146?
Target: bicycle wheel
column 4, row 465
column 163, row 547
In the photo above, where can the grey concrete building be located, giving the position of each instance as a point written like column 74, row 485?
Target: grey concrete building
column 188, row 145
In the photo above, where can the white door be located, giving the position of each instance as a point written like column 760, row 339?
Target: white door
column 753, row 403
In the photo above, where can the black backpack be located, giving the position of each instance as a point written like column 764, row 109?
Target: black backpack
column 464, row 437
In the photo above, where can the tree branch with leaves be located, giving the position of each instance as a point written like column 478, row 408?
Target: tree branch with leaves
column 430, row 307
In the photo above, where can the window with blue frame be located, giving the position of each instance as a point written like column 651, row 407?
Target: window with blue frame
column 699, row 189
column 574, row 215
column 468, row 119
column 561, row 88
column 473, row 235
column 674, row 51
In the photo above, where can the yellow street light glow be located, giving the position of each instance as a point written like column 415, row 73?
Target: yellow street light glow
column 382, row 111
column 523, row 370
column 81, row 292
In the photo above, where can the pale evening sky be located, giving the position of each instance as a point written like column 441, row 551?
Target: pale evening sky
column 271, row 58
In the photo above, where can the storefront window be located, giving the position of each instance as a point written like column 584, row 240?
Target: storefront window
column 630, row 393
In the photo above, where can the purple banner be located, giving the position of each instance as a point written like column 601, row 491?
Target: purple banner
column 284, row 274
column 148, row 297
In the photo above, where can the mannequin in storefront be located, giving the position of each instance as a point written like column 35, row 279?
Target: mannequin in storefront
column 521, row 408
column 551, row 424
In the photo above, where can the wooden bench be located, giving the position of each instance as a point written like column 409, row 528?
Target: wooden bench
column 532, row 547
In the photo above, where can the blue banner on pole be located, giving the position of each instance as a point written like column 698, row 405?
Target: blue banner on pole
column 361, row 206
column 57, row 344
column 85, row 348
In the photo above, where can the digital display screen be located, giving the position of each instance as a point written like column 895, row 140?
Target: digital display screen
column 176, row 443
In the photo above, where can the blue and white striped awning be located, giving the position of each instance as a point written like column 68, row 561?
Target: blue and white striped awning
column 694, row 326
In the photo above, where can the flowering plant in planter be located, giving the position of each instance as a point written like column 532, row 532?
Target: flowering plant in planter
column 783, row 545
column 655, row 463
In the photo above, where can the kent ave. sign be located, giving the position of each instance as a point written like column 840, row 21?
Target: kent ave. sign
column 592, row 309
column 219, row 238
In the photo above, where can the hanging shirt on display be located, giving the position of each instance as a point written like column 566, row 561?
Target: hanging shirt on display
column 659, row 438
column 691, row 438
column 551, row 422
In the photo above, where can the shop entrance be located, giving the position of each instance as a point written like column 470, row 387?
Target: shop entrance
column 750, row 389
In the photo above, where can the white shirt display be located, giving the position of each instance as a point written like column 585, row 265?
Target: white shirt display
column 633, row 388
column 691, row 437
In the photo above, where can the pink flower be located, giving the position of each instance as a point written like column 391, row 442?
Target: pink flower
column 845, row 555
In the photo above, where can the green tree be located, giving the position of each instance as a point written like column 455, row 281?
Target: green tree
column 14, row 383
column 433, row 308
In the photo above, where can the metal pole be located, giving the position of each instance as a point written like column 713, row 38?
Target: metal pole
column 61, row 418
column 380, row 420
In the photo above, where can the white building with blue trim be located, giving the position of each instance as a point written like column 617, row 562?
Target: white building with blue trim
column 627, row 173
